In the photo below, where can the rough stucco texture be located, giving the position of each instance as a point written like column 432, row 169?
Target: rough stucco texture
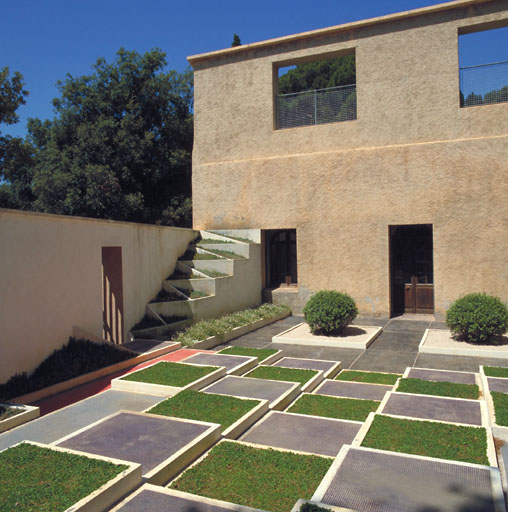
column 413, row 156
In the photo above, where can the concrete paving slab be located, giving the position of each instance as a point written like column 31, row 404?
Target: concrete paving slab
column 63, row 422
column 345, row 355
column 329, row 368
column 372, row 480
column 499, row 385
column 397, row 341
column 457, row 363
column 353, row 390
column 442, row 376
column 434, row 408
column 274, row 391
column 143, row 438
column 389, row 361
column 235, row 365
column 396, row 325
column 310, row 434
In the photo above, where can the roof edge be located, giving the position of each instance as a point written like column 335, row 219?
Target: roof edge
column 200, row 57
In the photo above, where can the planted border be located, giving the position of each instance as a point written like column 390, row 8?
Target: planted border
column 284, row 374
column 331, row 407
column 452, row 389
column 500, row 401
column 431, row 439
column 266, row 479
column 368, row 377
column 260, row 353
column 496, row 371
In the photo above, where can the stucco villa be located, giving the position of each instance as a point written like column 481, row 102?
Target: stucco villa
column 401, row 201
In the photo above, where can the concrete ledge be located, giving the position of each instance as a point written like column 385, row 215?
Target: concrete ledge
column 29, row 413
column 440, row 341
column 358, row 337
column 97, row 374
column 162, row 390
column 106, row 495
column 242, row 424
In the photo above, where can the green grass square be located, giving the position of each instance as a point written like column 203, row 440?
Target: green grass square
column 500, row 407
column 267, row 479
column 495, row 371
column 426, row 387
column 431, row 439
column 280, row 373
column 195, row 405
column 331, row 407
column 260, row 353
column 368, row 377
column 170, row 374
column 45, row 480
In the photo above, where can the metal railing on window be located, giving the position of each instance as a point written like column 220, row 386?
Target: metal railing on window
column 320, row 106
column 484, row 84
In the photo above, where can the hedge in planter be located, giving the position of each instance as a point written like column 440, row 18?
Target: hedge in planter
column 478, row 318
column 329, row 312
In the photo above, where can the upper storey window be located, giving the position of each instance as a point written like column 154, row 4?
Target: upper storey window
column 316, row 92
column 483, row 61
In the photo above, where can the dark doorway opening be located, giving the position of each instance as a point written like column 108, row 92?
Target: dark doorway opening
column 112, row 295
column 280, row 257
column 411, row 269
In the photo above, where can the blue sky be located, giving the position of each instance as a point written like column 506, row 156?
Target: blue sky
column 46, row 39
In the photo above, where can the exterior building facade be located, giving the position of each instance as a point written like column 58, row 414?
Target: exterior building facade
column 404, row 206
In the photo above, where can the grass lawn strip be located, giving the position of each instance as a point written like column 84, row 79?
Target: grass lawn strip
column 260, row 353
column 45, row 480
column 495, row 371
column 170, row 374
column 368, row 377
column 267, row 479
column 500, row 407
column 281, row 373
column 425, row 387
column 195, row 405
column 331, row 407
column 431, row 439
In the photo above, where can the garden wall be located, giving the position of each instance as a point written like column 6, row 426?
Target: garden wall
column 51, row 275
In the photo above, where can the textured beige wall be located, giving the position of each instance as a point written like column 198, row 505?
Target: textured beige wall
column 51, row 278
column 413, row 156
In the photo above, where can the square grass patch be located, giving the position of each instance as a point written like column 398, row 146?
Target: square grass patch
column 495, row 371
column 431, row 439
column 425, row 387
column 500, row 407
column 260, row 353
column 267, row 479
column 331, row 407
column 45, row 480
column 170, row 374
column 368, row 377
column 194, row 405
column 281, row 373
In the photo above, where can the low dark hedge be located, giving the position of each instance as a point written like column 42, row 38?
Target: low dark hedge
column 478, row 318
column 75, row 358
column 329, row 312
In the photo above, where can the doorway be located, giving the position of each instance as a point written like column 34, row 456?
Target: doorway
column 411, row 269
column 280, row 257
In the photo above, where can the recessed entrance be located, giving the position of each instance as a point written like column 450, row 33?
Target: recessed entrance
column 411, row 268
column 280, row 257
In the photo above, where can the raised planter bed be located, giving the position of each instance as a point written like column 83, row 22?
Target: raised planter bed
column 494, row 384
column 263, row 355
column 16, row 415
column 308, row 379
column 281, row 477
column 368, row 377
column 450, row 389
column 329, row 368
column 46, row 478
column 167, row 378
column 358, row 337
column 234, row 414
column 235, row 365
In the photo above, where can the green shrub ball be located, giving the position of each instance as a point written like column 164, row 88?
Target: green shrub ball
column 477, row 318
column 329, row 312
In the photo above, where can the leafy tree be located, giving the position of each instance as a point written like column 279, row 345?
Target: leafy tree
column 236, row 41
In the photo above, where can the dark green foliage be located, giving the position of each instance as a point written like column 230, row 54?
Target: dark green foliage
column 213, row 273
column 431, row 439
column 173, row 319
column 260, row 353
column 163, row 296
column 9, row 412
column 332, row 407
column 500, row 407
column 147, row 322
column 75, row 358
column 191, row 254
column 192, row 294
column 194, row 405
column 477, row 318
column 425, row 387
column 369, row 377
column 329, row 312
column 236, row 41
column 44, row 480
column 310, row 507
column 280, row 373
column 495, row 371
column 170, row 374
column 267, row 479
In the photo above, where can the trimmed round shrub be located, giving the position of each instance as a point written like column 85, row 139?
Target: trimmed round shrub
column 477, row 318
column 329, row 312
